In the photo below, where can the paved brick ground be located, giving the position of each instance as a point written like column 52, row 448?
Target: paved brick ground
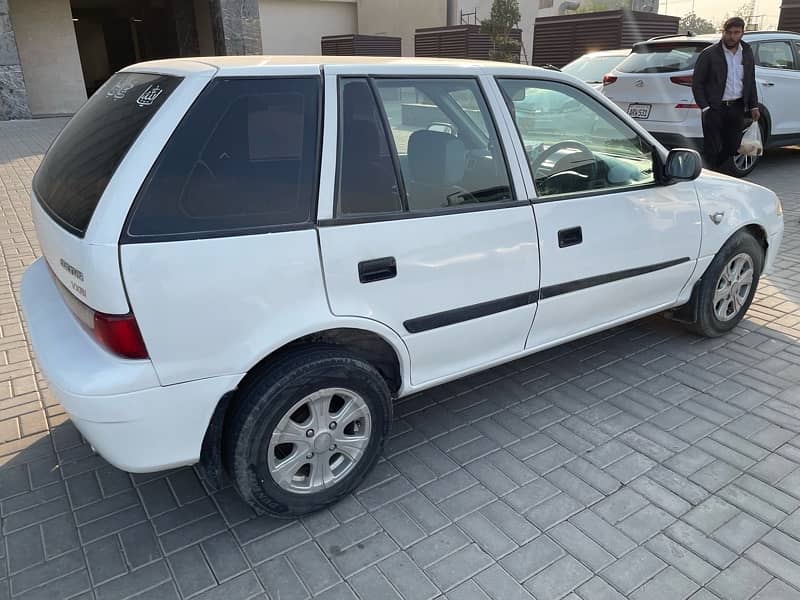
column 644, row 463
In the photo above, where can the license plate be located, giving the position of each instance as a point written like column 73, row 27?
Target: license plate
column 639, row 111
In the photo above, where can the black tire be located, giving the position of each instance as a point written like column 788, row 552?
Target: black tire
column 707, row 323
column 737, row 170
column 266, row 399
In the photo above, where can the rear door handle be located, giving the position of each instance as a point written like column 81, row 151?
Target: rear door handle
column 377, row 269
column 570, row 237
column 768, row 83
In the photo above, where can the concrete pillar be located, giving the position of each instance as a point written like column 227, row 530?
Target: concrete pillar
column 237, row 27
column 48, row 52
column 186, row 27
column 13, row 96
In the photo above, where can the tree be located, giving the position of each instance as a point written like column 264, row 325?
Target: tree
column 590, row 6
column 745, row 11
column 695, row 24
column 504, row 17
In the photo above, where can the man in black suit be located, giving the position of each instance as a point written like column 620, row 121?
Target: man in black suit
column 724, row 87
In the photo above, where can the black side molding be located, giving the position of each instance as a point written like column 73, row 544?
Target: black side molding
column 467, row 313
column 581, row 284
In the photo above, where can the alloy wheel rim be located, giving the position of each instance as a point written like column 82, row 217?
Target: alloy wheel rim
column 733, row 287
column 744, row 162
column 319, row 440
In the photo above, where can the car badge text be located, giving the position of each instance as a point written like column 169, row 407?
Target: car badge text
column 71, row 270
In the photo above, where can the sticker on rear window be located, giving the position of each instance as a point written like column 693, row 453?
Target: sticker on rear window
column 119, row 91
column 149, row 95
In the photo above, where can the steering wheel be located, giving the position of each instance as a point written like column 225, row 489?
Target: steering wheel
column 583, row 156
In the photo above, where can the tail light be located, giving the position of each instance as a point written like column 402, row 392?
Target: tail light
column 687, row 106
column 119, row 334
column 682, row 80
column 609, row 79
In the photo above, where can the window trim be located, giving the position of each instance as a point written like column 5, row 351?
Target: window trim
column 127, row 238
column 537, row 199
column 394, row 155
column 403, row 216
column 517, row 198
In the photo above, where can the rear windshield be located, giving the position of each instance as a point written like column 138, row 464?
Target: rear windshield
column 661, row 58
column 592, row 69
column 79, row 165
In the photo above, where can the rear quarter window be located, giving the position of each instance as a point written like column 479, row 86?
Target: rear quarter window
column 661, row 58
column 78, row 166
column 243, row 160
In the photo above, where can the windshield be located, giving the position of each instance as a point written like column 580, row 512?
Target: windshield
column 661, row 58
column 592, row 69
column 81, row 162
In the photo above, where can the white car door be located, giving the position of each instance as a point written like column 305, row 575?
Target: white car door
column 424, row 230
column 614, row 243
column 778, row 80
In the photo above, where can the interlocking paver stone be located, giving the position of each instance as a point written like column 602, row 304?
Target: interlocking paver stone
column 531, row 558
column 739, row 582
column 669, row 584
column 633, row 570
column 642, row 462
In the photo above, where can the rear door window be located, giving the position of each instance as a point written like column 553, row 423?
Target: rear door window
column 78, row 166
column 243, row 160
column 661, row 58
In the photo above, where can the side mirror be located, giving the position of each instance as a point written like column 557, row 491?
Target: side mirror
column 683, row 165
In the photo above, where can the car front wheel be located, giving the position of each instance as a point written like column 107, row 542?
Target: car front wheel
column 307, row 430
column 727, row 288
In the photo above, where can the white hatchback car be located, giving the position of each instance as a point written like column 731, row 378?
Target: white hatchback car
column 246, row 259
column 654, row 85
column 591, row 68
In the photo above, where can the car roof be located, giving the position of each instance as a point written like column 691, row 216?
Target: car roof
column 617, row 52
column 711, row 38
column 285, row 64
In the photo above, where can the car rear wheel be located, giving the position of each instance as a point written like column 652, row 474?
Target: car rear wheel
column 727, row 288
column 307, row 430
column 741, row 165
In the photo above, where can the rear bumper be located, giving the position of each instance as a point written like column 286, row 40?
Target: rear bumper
column 676, row 140
column 681, row 134
column 118, row 405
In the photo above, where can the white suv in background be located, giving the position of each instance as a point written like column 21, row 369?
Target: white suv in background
column 654, row 86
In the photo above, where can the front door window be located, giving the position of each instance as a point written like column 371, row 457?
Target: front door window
column 573, row 143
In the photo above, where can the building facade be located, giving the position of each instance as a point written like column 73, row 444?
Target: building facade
column 56, row 53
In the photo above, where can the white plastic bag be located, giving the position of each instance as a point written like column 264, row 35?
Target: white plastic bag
column 751, row 141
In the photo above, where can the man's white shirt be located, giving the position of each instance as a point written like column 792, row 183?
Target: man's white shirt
column 734, row 85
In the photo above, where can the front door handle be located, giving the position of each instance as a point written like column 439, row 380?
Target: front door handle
column 768, row 83
column 570, row 237
column 377, row 269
